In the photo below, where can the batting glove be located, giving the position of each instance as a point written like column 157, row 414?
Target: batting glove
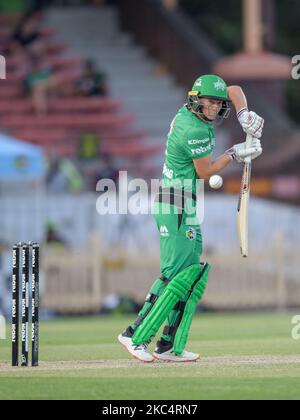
column 251, row 123
column 240, row 152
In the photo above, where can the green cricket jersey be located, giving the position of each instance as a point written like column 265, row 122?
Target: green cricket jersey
column 189, row 138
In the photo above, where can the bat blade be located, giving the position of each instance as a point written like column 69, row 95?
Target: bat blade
column 243, row 209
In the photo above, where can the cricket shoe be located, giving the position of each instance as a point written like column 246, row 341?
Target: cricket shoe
column 170, row 356
column 140, row 352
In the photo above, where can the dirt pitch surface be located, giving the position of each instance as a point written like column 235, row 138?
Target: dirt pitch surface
column 222, row 361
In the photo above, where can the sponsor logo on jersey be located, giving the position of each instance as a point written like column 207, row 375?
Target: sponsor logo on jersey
column 220, row 85
column 191, row 234
column 191, row 142
column 200, row 150
column 164, row 231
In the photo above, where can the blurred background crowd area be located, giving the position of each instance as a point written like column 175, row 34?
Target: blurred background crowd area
column 82, row 94
column 95, row 84
column 91, row 88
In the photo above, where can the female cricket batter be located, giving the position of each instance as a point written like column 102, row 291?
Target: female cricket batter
column 174, row 295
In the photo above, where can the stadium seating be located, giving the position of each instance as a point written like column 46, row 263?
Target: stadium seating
column 9, row 92
column 9, row 18
column 25, row 106
column 44, row 137
column 55, row 61
column 69, row 118
column 133, row 153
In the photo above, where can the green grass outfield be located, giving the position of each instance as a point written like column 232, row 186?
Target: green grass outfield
column 249, row 356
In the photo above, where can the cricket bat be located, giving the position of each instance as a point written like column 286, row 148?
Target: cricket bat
column 243, row 204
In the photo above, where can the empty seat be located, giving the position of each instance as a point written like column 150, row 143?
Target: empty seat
column 55, row 61
column 66, row 120
column 10, row 91
column 25, row 106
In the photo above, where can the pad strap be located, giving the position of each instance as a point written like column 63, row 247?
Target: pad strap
column 164, row 279
column 151, row 298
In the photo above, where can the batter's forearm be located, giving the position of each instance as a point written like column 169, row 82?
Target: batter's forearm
column 238, row 98
column 216, row 166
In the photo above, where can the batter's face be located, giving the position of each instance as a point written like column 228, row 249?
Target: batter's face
column 211, row 108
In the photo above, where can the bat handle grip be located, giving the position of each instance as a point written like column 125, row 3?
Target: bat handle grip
column 248, row 144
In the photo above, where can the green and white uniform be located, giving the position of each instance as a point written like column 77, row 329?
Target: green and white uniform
column 189, row 138
column 181, row 242
column 183, row 279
